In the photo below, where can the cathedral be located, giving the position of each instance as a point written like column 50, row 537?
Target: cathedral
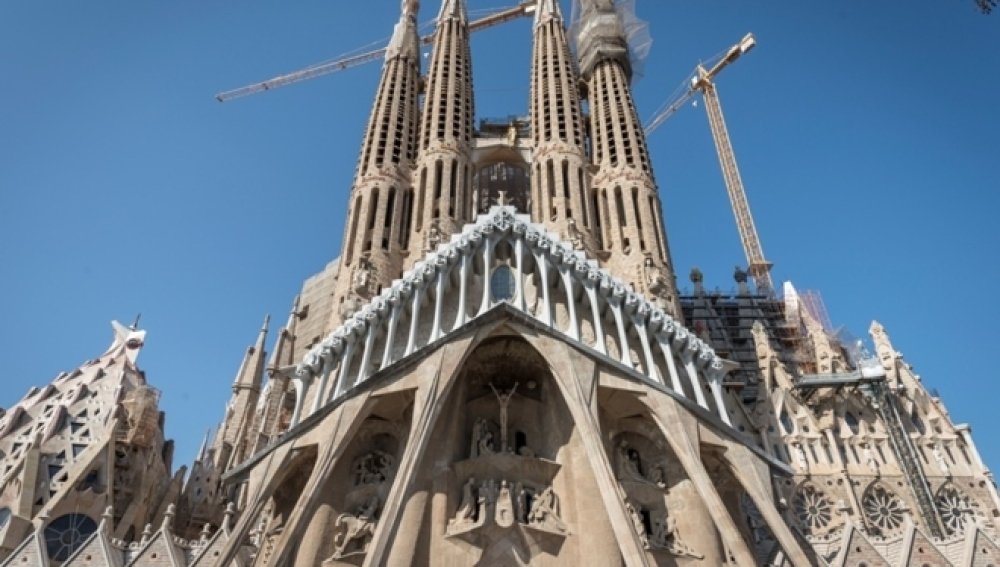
column 498, row 369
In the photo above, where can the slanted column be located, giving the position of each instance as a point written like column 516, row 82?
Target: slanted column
column 640, row 327
column 574, row 324
column 617, row 304
column 363, row 371
column 519, row 280
column 321, row 387
column 542, row 263
column 688, row 351
column 716, row 373
column 411, row 341
column 487, row 274
column 301, row 384
column 345, row 366
column 595, row 309
column 668, row 355
column 390, row 336
column 463, row 287
column 438, row 300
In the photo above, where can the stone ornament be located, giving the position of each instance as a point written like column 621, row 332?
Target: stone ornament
column 355, row 531
column 666, row 537
column 883, row 510
column 630, row 467
column 956, row 510
column 813, row 509
column 373, row 468
column 505, row 505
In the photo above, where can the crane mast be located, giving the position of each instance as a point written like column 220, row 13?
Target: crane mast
column 758, row 267
column 525, row 8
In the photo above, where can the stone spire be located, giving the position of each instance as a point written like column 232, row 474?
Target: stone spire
column 561, row 196
column 631, row 227
column 443, row 177
column 377, row 231
column 235, row 434
column 269, row 422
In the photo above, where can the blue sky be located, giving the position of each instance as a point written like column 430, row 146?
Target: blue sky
column 865, row 132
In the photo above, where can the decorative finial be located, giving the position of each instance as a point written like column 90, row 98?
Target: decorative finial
column 696, row 275
column 135, row 323
column 740, row 275
column 168, row 518
column 227, row 522
column 106, row 520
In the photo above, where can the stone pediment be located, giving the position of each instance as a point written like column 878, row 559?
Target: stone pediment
column 504, row 258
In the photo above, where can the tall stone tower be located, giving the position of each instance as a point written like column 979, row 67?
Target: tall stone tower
column 498, row 370
column 561, row 194
column 376, row 235
column 443, row 167
column 631, row 220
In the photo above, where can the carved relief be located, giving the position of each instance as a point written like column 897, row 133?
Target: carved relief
column 505, row 504
column 354, row 531
column 884, row 510
column 364, row 281
column 372, row 468
column 631, row 467
column 813, row 509
column 665, row 536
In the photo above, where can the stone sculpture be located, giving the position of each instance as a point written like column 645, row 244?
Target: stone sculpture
column 665, row 536
column 544, row 512
column 357, row 529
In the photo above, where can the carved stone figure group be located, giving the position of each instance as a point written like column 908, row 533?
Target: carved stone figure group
column 372, row 468
column 505, row 503
column 630, row 467
column 662, row 533
column 355, row 531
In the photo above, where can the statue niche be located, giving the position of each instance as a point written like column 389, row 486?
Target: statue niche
column 359, row 490
column 635, row 462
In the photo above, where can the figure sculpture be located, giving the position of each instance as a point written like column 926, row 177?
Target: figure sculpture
column 665, row 536
column 359, row 526
column 545, row 511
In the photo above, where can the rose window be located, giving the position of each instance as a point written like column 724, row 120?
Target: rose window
column 813, row 510
column 955, row 509
column 883, row 509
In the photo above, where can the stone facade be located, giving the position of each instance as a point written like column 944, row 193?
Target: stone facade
column 498, row 370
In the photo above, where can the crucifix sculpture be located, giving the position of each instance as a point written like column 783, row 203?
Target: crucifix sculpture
column 504, row 399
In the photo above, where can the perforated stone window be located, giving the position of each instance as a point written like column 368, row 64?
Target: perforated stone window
column 66, row 534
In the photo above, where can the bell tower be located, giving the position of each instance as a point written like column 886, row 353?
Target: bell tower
column 443, row 176
column 631, row 225
column 561, row 190
column 377, row 229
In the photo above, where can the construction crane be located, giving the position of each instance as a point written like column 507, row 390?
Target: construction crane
column 703, row 82
column 525, row 8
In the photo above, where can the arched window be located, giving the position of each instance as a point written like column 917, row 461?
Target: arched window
column 502, row 284
column 66, row 534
